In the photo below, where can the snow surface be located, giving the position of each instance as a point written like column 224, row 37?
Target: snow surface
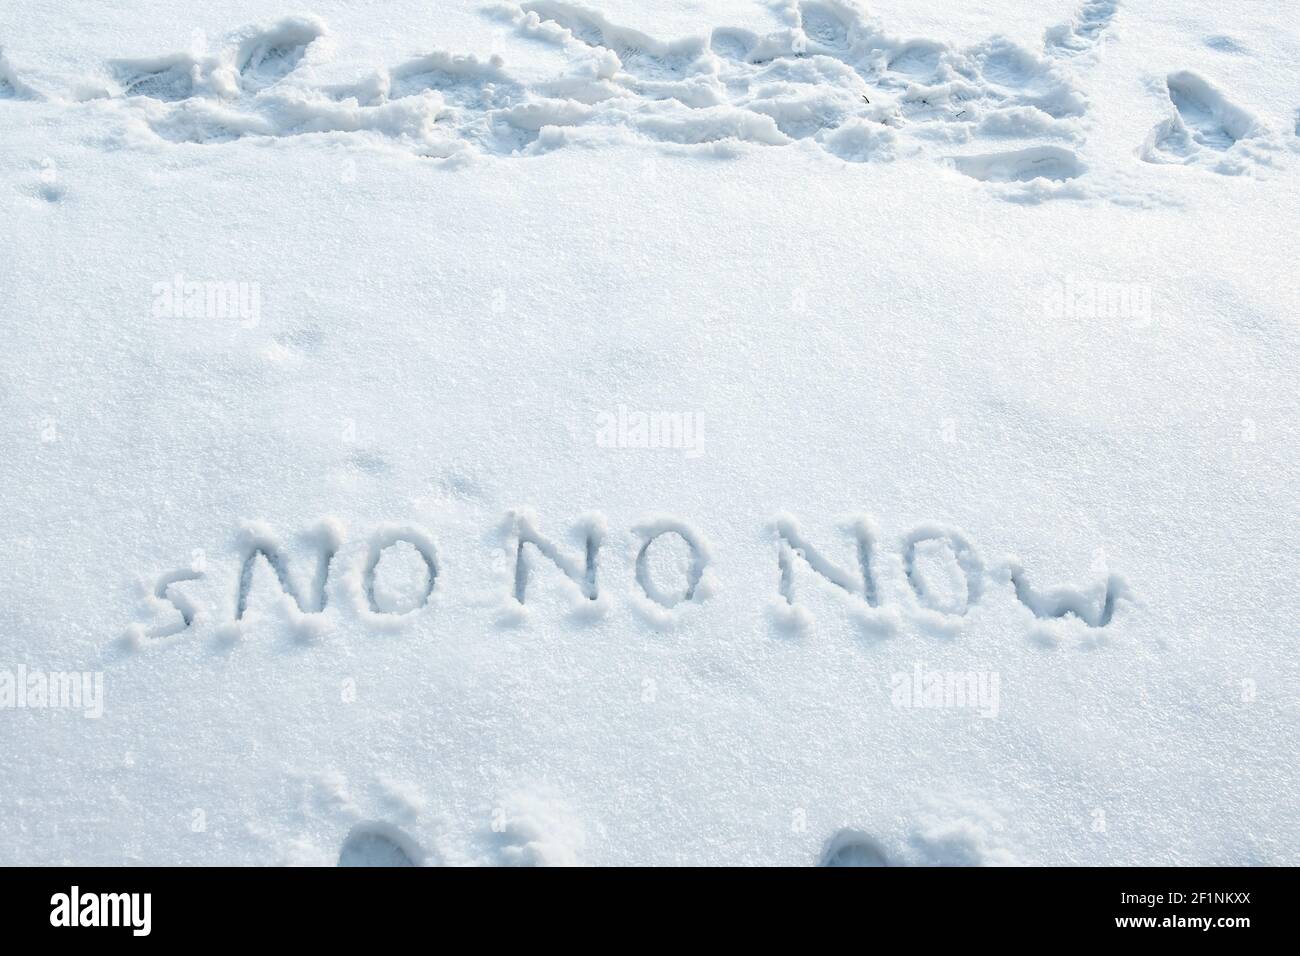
column 1000, row 296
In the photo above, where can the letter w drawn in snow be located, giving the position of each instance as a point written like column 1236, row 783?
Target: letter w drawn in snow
column 1066, row 601
column 260, row 542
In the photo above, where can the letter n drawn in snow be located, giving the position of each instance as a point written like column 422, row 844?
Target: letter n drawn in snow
column 792, row 544
column 259, row 542
column 794, row 549
column 528, row 542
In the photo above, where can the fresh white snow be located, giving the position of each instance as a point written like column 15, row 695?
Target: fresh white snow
column 317, row 318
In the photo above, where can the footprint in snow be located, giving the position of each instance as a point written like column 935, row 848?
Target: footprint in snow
column 853, row 848
column 1204, row 125
column 378, row 844
column 265, row 57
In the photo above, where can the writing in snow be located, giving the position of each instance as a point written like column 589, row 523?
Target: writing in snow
column 587, row 574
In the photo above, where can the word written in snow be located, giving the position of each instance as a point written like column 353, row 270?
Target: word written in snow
column 525, row 545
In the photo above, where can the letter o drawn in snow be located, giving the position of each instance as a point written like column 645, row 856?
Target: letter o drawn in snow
column 386, row 539
column 698, row 560
column 967, row 561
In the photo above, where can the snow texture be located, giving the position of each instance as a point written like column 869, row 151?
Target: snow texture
column 547, row 433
